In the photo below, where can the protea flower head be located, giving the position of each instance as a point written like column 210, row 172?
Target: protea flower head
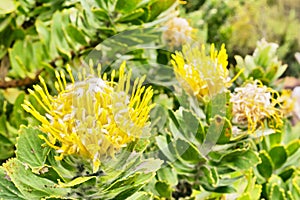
column 253, row 103
column 201, row 75
column 178, row 32
column 93, row 117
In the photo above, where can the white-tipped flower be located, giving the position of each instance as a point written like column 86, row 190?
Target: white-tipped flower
column 252, row 104
column 178, row 31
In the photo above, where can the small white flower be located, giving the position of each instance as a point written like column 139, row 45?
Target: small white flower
column 253, row 103
column 178, row 32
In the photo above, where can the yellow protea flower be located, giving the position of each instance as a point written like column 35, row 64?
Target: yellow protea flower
column 253, row 103
column 93, row 117
column 202, row 75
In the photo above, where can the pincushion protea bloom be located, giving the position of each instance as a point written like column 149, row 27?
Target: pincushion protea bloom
column 92, row 117
column 199, row 74
column 178, row 32
column 252, row 104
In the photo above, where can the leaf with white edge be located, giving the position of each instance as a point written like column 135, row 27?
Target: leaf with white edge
column 164, row 189
column 209, row 176
column 76, row 35
column 76, row 181
column 140, row 196
column 125, row 6
column 7, row 188
column 29, row 184
column 244, row 196
column 295, row 188
column 149, row 165
column 265, row 168
column 126, row 186
column 292, row 147
column 240, row 159
column 29, row 147
column 168, row 174
column 277, row 193
column 132, row 15
column 164, row 147
column 189, row 152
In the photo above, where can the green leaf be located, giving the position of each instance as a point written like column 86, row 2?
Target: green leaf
column 209, row 176
column 58, row 43
column 168, row 174
column 287, row 173
column 140, row 196
column 190, row 123
column 76, row 181
column 159, row 117
column 281, row 69
column 189, row 152
column 165, row 148
column 182, row 168
column 126, row 186
column 6, row 148
column 29, row 184
column 257, row 73
column 292, row 147
column 226, row 131
column 7, row 189
column 253, row 194
column 44, row 36
column 148, row 165
column 244, row 196
column 3, row 127
column 221, row 189
column 164, row 189
column 17, row 116
column 76, row 35
column 278, row 155
column 125, row 6
column 295, row 188
column 18, row 67
column 277, row 193
column 240, row 159
column 131, row 16
column 101, row 14
column 271, row 72
column 7, row 6
column 175, row 128
column 158, row 7
column 266, row 167
column 275, row 139
column 256, row 192
column 30, row 149
column 2, row 99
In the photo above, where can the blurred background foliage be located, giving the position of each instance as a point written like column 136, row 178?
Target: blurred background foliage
column 240, row 24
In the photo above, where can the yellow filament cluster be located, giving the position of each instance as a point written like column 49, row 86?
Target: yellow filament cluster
column 199, row 74
column 93, row 117
column 254, row 103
